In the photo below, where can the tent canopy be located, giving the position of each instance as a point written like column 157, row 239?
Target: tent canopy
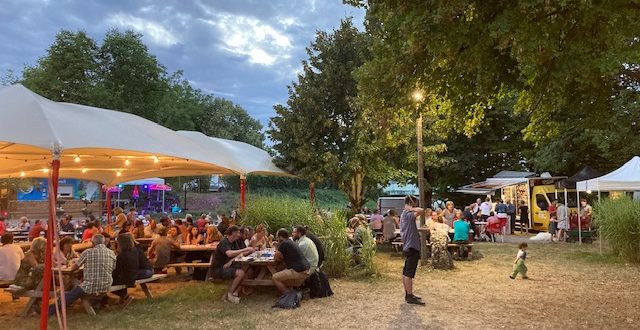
column 93, row 143
column 585, row 173
column 490, row 186
column 141, row 182
column 625, row 178
column 242, row 157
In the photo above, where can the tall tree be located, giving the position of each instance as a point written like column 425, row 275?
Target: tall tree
column 224, row 119
column 562, row 59
column 68, row 72
column 321, row 134
column 132, row 79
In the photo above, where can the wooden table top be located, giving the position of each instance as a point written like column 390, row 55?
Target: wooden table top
column 208, row 247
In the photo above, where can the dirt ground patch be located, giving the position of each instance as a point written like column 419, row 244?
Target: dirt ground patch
column 571, row 287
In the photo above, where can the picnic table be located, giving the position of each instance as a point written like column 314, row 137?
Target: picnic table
column 266, row 266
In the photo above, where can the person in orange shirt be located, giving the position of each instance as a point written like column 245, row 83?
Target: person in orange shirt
column 35, row 230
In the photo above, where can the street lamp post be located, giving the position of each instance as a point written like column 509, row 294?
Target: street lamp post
column 418, row 97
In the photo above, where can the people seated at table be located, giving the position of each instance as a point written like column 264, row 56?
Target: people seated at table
column 160, row 250
column 307, row 247
column 89, row 231
column 24, row 224
column 174, row 234
column 194, row 237
column 355, row 240
column 247, row 234
column 31, row 268
column 224, row 224
column 223, row 266
column 131, row 216
column 492, row 222
column 183, row 229
column 3, row 228
column 121, row 218
column 201, row 223
column 138, row 230
column 212, row 235
column 449, row 213
column 99, row 263
column 260, row 240
column 66, row 225
column 63, row 253
column 10, row 257
column 152, row 230
column 127, row 267
column 296, row 266
column 36, row 229
column 319, row 246
column 375, row 223
column 389, row 226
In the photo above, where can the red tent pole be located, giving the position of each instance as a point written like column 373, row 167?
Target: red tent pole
column 108, row 206
column 243, row 188
column 51, row 227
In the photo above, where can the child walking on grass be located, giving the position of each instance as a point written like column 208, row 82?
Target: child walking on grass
column 518, row 264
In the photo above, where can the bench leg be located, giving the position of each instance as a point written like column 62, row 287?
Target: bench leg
column 146, row 291
column 30, row 304
column 86, row 303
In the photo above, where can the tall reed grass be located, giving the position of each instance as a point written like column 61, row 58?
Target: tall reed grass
column 618, row 221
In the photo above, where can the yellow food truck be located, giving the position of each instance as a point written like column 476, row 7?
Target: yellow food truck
column 537, row 192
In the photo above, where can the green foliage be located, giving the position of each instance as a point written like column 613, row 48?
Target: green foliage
column 334, row 238
column 566, row 65
column 121, row 74
column 278, row 212
column 618, row 221
column 321, row 134
column 367, row 253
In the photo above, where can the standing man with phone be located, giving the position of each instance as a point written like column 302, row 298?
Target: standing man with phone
column 410, row 247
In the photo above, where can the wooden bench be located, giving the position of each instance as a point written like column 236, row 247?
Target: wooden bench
column 190, row 264
column 458, row 247
column 86, row 300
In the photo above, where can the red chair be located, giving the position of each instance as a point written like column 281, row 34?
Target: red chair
column 494, row 229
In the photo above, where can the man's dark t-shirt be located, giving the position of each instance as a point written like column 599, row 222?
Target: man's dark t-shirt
column 293, row 258
column 221, row 253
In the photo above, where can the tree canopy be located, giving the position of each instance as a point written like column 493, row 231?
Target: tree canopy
column 121, row 74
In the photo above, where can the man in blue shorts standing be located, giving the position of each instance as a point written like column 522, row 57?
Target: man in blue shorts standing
column 410, row 247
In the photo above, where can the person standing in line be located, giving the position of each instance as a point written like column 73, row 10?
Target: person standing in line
column 511, row 213
column 524, row 216
column 562, row 215
column 485, row 209
column 518, row 265
column 553, row 219
column 410, row 247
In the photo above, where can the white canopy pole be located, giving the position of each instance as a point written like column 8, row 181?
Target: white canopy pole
column 579, row 226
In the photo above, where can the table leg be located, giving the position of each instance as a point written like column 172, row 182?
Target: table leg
column 86, row 303
column 146, row 291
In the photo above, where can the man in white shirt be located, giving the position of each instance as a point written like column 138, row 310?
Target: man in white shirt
column 10, row 257
column 485, row 209
column 307, row 247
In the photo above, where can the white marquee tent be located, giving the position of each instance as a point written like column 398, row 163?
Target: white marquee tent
column 625, row 178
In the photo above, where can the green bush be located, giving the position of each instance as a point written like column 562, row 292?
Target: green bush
column 368, row 253
column 277, row 212
column 619, row 224
column 333, row 235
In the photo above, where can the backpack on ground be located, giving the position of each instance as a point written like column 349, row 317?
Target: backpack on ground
column 318, row 285
column 289, row 300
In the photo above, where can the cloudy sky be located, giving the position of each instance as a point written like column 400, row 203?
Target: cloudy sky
column 244, row 50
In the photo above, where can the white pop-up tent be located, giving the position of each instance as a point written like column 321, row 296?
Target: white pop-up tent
column 242, row 157
column 625, row 178
column 43, row 138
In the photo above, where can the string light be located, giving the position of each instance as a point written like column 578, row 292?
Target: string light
column 22, row 174
column 118, row 173
column 77, row 159
column 84, row 170
column 127, row 162
column 155, row 159
column 45, row 170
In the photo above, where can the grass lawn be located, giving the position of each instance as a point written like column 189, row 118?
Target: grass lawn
column 570, row 287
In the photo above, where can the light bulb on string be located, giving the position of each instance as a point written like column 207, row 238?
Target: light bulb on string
column 84, row 170
column 77, row 159
column 22, row 174
column 155, row 159
column 118, row 173
column 127, row 162
column 45, row 170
